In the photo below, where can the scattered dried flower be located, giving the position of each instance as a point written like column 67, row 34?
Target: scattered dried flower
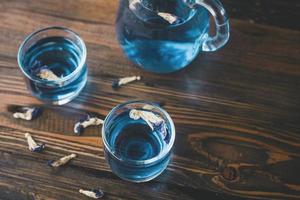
column 123, row 81
column 32, row 145
column 61, row 161
column 95, row 193
column 26, row 113
column 88, row 120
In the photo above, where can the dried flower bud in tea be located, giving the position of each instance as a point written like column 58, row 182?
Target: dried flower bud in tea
column 172, row 19
column 95, row 193
column 147, row 116
column 32, row 145
column 154, row 122
column 62, row 161
column 47, row 74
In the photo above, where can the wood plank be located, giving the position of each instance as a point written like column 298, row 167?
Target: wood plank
column 277, row 13
column 236, row 113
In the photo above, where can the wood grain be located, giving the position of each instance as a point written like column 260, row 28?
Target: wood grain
column 270, row 12
column 236, row 111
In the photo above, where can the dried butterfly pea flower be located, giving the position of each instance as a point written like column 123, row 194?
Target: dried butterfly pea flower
column 154, row 122
column 46, row 74
column 86, row 121
column 26, row 113
column 32, row 145
column 133, row 4
column 95, row 193
column 149, row 117
column 167, row 136
column 161, row 127
column 172, row 19
column 123, row 81
column 61, row 161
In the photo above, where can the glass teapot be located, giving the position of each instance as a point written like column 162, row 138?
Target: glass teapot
column 164, row 36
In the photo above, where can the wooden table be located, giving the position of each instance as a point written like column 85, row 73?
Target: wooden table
column 236, row 111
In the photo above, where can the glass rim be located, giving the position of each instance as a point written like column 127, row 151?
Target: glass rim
column 163, row 153
column 71, row 75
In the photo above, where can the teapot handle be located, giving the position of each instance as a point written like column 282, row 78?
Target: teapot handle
column 221, row 37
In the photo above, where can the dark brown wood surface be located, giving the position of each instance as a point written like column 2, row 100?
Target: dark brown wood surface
column 236, row 111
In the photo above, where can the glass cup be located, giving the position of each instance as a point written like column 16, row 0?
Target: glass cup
column 53, row 61
column 138, row 137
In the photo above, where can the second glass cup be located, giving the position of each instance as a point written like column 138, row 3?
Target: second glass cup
column 53, row 61
column 138, row 137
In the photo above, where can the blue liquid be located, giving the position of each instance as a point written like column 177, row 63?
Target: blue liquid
column 155, row 44
column 131, row 141
column 62, row 57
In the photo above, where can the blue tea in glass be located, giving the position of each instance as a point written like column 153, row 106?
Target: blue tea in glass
column 166, row 35
column 53, row 62
column 138, row 137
